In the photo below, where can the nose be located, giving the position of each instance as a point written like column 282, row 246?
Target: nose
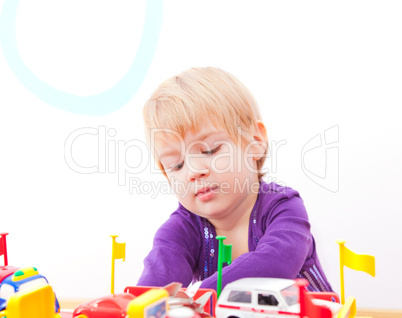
column 197, row 168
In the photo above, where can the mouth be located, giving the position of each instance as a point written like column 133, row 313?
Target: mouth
column 206, row 190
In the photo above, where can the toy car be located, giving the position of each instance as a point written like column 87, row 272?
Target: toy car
column 21, row 280
column 260, row 296
column 110, row 306
column 273, row 297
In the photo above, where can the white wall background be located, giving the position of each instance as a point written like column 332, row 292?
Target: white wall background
column 313, row 66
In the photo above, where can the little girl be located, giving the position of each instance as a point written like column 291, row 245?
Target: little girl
column 205, row 131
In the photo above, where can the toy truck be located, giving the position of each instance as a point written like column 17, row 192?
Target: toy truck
column 5, row 271
column 13, row 280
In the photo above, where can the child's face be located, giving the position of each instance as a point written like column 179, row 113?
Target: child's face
column 211, row 174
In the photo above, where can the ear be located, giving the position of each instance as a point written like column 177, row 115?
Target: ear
column 261, row 141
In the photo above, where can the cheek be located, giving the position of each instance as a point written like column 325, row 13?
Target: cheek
column 178, row 184
column 222, row 164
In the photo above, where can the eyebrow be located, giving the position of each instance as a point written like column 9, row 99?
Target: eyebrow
column 200, row 137
column 204, row 136
column 167, row 153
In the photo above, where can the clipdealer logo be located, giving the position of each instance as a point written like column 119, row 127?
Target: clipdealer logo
column 320, row 159
column 89, row 150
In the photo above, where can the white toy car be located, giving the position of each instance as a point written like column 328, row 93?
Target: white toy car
column 259, row 297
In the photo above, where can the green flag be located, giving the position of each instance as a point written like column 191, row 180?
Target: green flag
column 226, row 251
column 224, row 256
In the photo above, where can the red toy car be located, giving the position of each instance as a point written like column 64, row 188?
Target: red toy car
column 110, row 306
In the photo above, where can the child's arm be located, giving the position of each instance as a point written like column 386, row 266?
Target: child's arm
column 285, row 247
column 172, row 258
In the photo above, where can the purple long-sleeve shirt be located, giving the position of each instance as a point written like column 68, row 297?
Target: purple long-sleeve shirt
column 280, row 245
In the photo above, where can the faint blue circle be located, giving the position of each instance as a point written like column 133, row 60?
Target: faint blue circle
column 99, row 104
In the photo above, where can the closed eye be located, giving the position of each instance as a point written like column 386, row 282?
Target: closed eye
column 212, row 151
column 178, row 167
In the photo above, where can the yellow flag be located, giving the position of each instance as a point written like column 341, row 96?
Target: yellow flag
column 118, row 250
column 358, row 262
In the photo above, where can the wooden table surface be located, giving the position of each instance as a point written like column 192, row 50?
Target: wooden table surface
column 379, row 313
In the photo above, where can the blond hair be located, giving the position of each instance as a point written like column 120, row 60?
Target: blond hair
column 181, row 102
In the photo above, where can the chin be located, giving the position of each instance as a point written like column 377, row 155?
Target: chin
column 210, row 214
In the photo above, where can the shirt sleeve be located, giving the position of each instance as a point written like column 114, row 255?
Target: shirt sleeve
column 173, row 255
column 283, row 247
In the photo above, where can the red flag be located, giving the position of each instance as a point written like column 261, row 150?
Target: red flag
column 3, row 247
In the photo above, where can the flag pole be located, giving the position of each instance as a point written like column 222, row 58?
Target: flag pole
column 341, row 262
column 112, row 276
column 220, row 255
